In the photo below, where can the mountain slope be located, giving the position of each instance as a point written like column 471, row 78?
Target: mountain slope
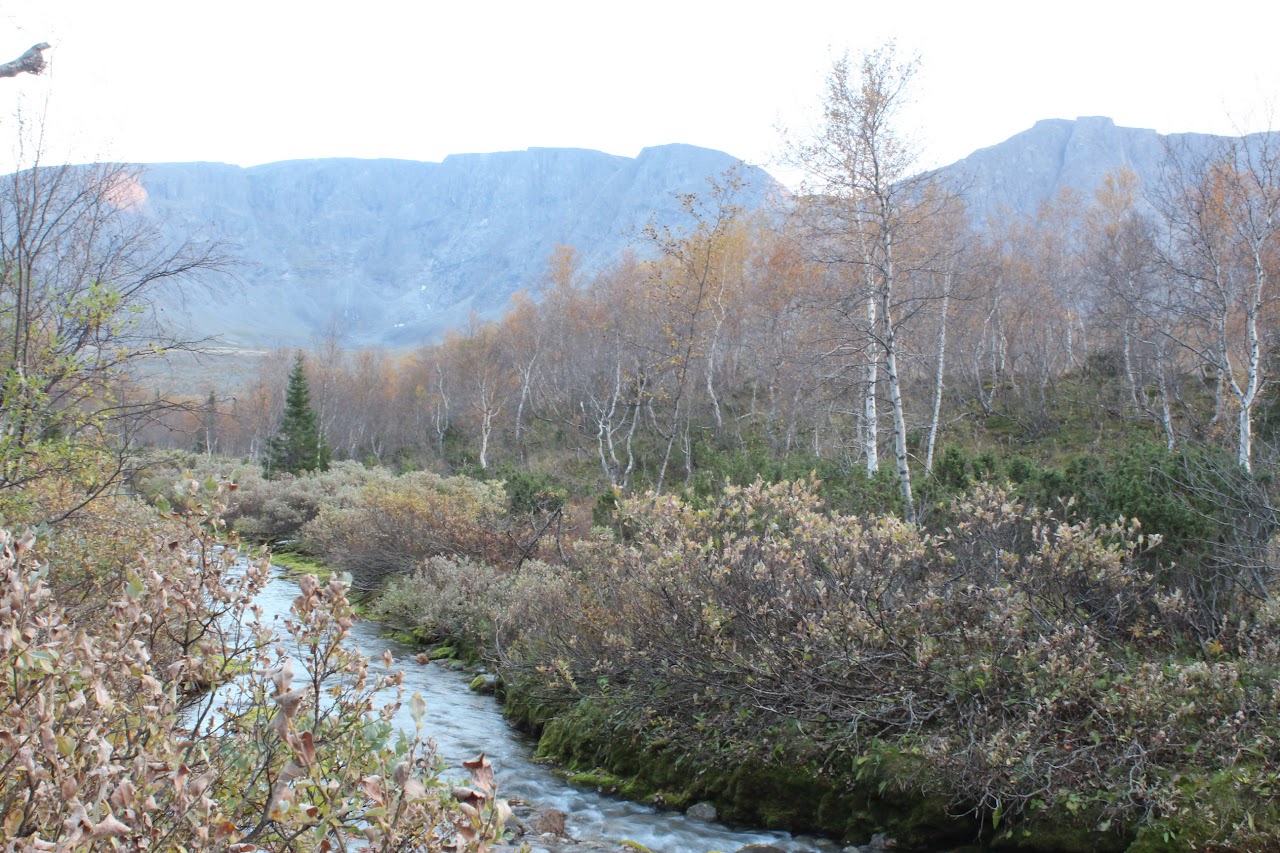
column 1018, row 175
column 392, row 252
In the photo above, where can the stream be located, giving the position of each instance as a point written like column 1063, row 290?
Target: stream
column 464, row 723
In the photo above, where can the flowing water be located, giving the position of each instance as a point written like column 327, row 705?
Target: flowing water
column 464, row 723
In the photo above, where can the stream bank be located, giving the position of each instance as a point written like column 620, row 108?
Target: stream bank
column 463, row 723
column 874, row 807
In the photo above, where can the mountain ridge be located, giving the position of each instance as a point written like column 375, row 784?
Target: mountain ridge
column 1029, row 168
column 393, row 252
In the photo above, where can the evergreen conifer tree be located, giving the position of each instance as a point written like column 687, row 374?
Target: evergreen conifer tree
column 298, row 446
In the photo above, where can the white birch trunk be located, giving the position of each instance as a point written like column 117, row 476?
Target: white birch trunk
column 895, row 402
column 870, row 434
column 938, row 378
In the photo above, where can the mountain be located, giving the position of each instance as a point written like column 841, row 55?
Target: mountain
column 392, row 252
column 1018, row 175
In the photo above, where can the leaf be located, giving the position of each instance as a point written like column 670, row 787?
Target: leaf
column 372, row 787
column 481, row 773
column 306, row 749
column 109, row 827
column 417, row 707
column 282, row 677
column 290, row 702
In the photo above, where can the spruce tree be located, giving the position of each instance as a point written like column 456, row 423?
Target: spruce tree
column 298, row 446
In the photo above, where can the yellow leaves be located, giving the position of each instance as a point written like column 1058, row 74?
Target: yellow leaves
column 12, row 822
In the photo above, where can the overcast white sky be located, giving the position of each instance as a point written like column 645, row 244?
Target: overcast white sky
column 252, row 82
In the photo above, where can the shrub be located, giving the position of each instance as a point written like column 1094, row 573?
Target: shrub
column 469, row 604
column 276, row 510
column 111, row 736
column 1019, row 665
column 389, row 526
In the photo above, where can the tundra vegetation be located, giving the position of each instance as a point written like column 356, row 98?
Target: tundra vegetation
column 652, row 498
column 144, row 704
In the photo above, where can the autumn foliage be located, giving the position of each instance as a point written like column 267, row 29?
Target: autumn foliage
column 1023, row 669
column 169, row 716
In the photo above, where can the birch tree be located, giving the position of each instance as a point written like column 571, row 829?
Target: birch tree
column 1121, row 260
column 688, row 287
column 1223, row 212
column 865, row 208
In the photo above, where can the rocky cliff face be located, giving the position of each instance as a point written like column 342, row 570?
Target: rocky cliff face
column 1018, row 175
column 392, row 252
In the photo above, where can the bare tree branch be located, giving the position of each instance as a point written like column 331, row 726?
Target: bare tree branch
column 31, row 62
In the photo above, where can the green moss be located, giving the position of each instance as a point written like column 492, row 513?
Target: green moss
column 443, row 651
column 877, row 795
column 597, row 778
column 634, row 845
column 1044, row 836
column 485, row 683
column 601, row 753
column 297, row 565
column 231, row 667
column 526, row 714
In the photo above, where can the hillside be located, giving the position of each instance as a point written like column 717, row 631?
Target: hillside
column 393, row 252
column 1029, row 168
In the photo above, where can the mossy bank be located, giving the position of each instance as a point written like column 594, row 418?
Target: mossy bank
column 869, row 796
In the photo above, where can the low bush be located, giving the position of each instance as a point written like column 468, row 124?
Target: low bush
column 1030, row 671
column 386, row 527
column 469, row 604
column 112, row 737
column 276, row 510
column 1216, row 522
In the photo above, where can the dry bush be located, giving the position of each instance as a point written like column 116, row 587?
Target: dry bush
column 260, row 509
column 469, row 603
column 277, row 509
column 112, row 739
column 390, row 526
column 1014, row 663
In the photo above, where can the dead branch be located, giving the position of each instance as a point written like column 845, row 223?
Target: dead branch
column 31, row 62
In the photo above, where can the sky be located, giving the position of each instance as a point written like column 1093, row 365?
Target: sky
column 255, row 82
